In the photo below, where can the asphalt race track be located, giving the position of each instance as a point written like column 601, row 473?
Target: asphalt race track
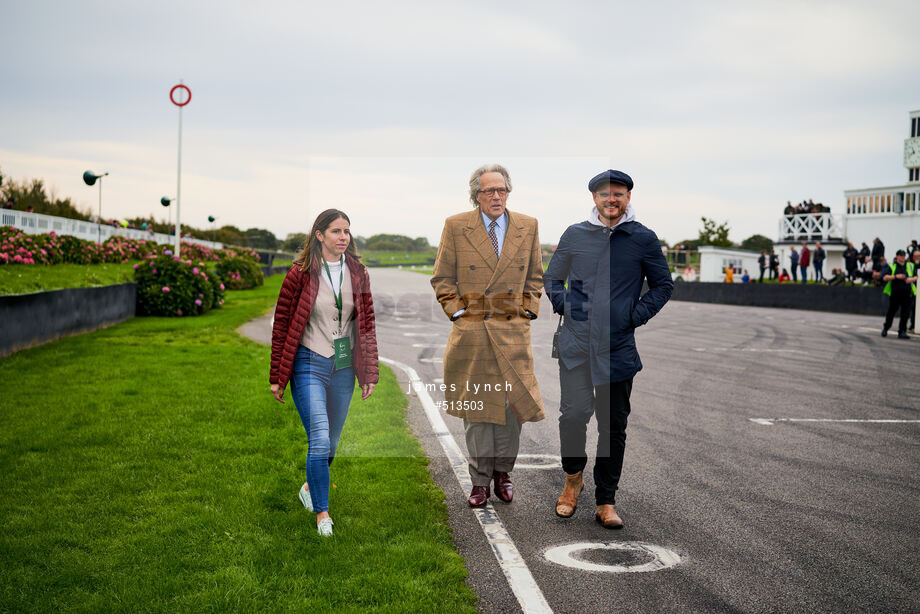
column 772, row 454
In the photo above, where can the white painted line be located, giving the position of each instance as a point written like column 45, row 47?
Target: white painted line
column 431, row 360
column 405, row 315
column 771, row 421
column 517, row 573
column 550, row 462
column 662, row 558
column 429, row 345
column 438, row 380
column 759, row 350
column 431, row 334
column 874, row 330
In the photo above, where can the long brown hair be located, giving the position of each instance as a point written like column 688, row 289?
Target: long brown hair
column 312, row 250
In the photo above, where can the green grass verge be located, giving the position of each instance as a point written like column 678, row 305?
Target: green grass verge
column 391, row 258
column 147, row 467
column 429, row 271
column 25, row 278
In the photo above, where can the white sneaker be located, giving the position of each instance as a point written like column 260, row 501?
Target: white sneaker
column 305, row 498
column 324, row 527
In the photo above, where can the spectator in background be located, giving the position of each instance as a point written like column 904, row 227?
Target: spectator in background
column 899, row 277
column 745, row 278
column 837, row 278
column 794, row 263
column 30, row 209
column 912, row 249
column 877, row 271
column 774, row 264
column 864, row 252
column 784, row 276
column 913, row 313
column 849, row 257
column 804, row 261
column 865, row 270
column 729, row 275
column 9, row 203
column 789, row 210
column 818, row 259
column 878, row 252
column 762, row 261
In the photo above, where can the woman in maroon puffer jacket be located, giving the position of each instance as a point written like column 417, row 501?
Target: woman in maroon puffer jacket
column 323, row 337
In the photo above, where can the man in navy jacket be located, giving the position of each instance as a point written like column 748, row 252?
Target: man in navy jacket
column 594, row 280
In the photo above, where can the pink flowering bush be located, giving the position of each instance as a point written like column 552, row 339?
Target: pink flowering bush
column 17, row 247
column 170, row 286
column 239, row 272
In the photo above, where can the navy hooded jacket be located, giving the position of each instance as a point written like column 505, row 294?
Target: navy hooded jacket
column 604, row 270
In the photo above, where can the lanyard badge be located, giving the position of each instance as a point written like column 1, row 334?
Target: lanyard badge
column 341, row 345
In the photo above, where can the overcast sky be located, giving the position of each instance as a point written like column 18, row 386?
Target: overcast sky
column 384, row 109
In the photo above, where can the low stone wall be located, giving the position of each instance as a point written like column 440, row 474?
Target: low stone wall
column 32, row 319
column 865, row 300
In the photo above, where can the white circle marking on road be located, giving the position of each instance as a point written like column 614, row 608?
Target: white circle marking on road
column 662, row 558
column 552, row 462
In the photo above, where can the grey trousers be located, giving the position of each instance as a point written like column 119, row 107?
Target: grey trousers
column 492, row 447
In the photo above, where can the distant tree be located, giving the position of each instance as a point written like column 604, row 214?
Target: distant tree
column 293, row 242
column 396, row 243
column 261, row 238
column 31, row 193
column 360, row 242
column 714, row 234
column 385, row 245
column 231, row 235
column 757, row 243
column 689, row 244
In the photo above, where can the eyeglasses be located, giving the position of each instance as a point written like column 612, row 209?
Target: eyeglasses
column 493, row 191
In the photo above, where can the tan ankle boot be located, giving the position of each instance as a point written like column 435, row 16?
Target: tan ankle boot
column 608, row 517
column 568, row 500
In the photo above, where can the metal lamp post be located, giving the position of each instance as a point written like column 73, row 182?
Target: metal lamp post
column 179, row 102
column 166, row 201
column 212, row 219
column 89, row 178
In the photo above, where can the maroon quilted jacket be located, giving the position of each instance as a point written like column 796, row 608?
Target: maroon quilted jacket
column 295, row 302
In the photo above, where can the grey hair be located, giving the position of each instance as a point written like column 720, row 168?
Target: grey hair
column 487, row 168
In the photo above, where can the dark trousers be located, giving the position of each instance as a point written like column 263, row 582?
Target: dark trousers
column 851, row 273
column 795, row 273
column 774, row 272
column 761, row 274
column 819, row 271
column 804, row 269
column 902, row 301
column 609, row 403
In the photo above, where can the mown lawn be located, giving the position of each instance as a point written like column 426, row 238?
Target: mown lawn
column 25, row 278
column 146, row 467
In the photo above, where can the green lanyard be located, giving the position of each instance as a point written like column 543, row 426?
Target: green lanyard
column 338, row 297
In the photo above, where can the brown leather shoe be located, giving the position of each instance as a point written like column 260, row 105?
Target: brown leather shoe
column 503, row 488
column 608, row 517
column 568, row 500
column 479, row 496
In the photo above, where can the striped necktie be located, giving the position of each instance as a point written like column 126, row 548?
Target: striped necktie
column 492, row 236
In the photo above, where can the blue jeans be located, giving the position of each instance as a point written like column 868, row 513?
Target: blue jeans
column 322, row 396
column 819, row 271
column 804, row 269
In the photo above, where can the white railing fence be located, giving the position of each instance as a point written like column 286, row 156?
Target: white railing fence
column 38, row 223
column 812, row 226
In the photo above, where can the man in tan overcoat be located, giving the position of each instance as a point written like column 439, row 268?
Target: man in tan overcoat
column 487, row 277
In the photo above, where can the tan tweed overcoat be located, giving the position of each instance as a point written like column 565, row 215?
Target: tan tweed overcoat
column 488, row 351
